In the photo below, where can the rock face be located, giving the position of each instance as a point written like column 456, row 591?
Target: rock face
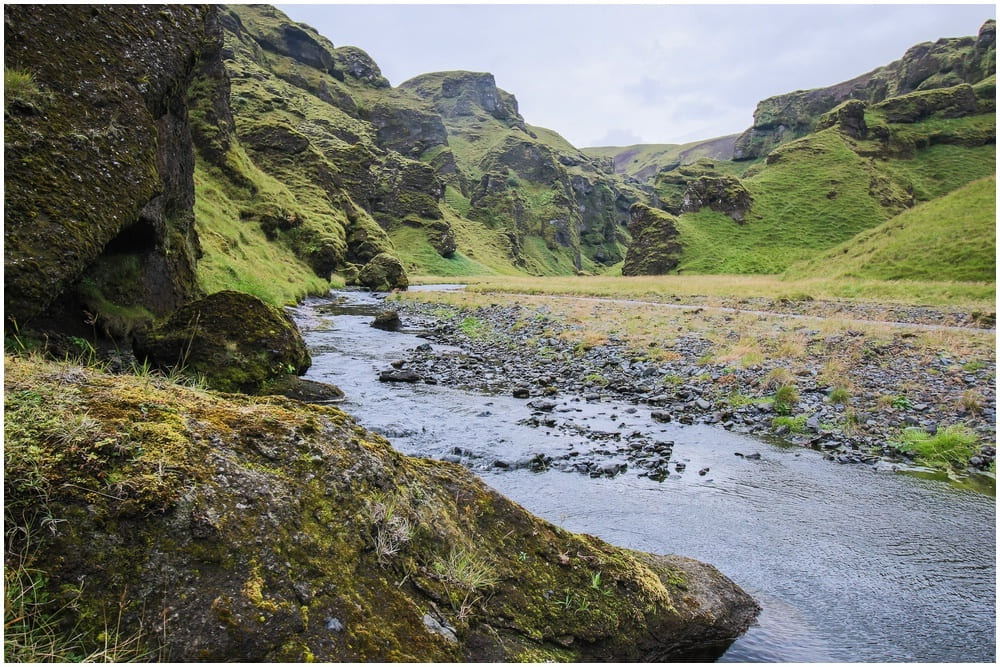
column 655, row 247
column 943, row 64
column 269, row 530
column 99, row 161
column 234, row 340
column 527, row 182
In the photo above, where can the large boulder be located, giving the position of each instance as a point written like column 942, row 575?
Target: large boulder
column 655, row 248
column 234, row 340
column 219, row 528
column 383, row 273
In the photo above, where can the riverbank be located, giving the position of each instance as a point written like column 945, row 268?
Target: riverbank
column 862, row 391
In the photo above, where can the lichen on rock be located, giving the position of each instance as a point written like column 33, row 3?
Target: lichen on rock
column 230, row 528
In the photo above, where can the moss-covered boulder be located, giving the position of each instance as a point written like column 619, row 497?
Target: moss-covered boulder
column 207, row 527
column 383, row 273
column 234, row 340
column 655, row 248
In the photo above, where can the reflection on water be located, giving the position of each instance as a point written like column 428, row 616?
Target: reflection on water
column 849, row 563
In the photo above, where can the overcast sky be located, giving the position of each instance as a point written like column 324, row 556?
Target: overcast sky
column 655, row 73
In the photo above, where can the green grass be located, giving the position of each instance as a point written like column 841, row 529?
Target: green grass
column 971, row 296
column 942, row 168
column 18, row 84
column 237, row 254
column 950, row 447
column 815, row 194
column 949, row 238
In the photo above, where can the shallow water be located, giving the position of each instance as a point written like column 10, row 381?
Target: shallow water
column 850, row 563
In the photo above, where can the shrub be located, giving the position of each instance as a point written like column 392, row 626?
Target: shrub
column 777, row 377
column 794, row 424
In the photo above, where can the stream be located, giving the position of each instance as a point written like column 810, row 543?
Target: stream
column 850, row 563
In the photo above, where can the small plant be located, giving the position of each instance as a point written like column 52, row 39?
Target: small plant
column 794, row 424
column 391, row 530
column 777, row 377
column 473, row 328
column 840, row 396
column 465, row 570
column 595, row 581
column 469, row 574
column 785, row 399
column 18, row 84
column 951, row 446
column 972, row 401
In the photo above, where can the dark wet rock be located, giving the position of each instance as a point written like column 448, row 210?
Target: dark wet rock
column 301, row 389
column 660, row 416
column 521, row 392
column 403, row 375
column 542, row 404
column 387, row 320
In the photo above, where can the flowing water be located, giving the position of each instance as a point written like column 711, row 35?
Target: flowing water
column 849, row 563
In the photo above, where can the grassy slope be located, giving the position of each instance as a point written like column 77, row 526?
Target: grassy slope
column 818, row 192
column 949, row 238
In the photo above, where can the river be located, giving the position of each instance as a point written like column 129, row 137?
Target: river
column 850, row 563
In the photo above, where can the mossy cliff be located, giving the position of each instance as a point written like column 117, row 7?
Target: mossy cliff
column 209, row 527
column 942, row 64
column 98, row 189
column 338, row 166
column 562, row 211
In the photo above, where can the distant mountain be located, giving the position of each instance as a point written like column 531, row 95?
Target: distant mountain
column 942, row 64
column 641, row 162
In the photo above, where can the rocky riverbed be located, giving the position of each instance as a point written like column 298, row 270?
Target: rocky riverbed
column 531, row 350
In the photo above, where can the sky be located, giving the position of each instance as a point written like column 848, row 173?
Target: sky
column 621, row 74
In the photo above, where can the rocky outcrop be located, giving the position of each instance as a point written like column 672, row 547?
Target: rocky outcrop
column 99, row 161
column 951, row 102
column 235, row 341
column 383, row 273
column 528, row 181
column 456, row 94
column 943, row 64
column 724, row 194
column 267, row 530
column 655, row 247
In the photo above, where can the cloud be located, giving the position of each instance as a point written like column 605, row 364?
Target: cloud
column 657, row 71
column 649, row 92
column 617, row 137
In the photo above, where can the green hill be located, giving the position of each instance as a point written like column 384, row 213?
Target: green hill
column 862, row 166
column 952, row 237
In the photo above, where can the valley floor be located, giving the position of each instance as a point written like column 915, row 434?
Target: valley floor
column 866, row 382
